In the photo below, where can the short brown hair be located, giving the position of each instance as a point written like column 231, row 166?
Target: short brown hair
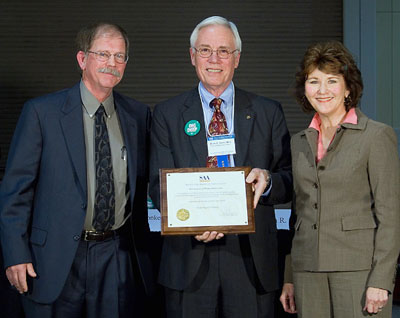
column 87, row 35
column 329, row 57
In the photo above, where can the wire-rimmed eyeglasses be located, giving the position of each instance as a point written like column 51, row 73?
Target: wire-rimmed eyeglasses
column 222, row 53
column 104, row 56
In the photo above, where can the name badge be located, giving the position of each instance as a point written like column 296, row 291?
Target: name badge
column 221, row 145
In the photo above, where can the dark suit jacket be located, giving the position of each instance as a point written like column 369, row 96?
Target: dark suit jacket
column 262, row 140
column 43, row 195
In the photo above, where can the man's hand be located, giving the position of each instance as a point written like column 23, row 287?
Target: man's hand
column 287, row 298
column 209, row 236
column 260, row 179
column 16, row 275
column 375, row 299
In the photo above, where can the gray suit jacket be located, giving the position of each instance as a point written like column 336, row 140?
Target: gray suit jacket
column 262, row 140
column 348, row 205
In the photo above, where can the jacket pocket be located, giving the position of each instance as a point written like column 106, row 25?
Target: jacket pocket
column 38, row 236
column 362, row 222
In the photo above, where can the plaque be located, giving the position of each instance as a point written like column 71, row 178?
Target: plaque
column 195, row 200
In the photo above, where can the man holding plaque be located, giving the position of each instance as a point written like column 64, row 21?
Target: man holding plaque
column 211, row 273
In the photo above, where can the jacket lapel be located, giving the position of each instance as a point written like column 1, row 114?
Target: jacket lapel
column 244, row 120
column 72, row 127
column 193, row 110
column 130, row 136
column 311, row 136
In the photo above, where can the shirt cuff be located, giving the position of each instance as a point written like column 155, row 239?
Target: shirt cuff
column 267, row 190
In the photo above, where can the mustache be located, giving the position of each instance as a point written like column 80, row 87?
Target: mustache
column 108, row 70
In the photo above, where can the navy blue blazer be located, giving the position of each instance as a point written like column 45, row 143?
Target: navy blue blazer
column 43, row 195
column 262, row 141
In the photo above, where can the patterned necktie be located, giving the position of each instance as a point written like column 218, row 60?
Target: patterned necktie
column 217, row 126
column 104, row 202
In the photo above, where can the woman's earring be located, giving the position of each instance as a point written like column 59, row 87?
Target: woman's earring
column 347, row 101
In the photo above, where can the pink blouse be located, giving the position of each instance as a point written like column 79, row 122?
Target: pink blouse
column 350, row 118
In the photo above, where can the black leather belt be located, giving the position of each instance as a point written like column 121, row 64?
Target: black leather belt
column 97, row 236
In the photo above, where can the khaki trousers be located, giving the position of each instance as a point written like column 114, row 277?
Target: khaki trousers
column 333, row 295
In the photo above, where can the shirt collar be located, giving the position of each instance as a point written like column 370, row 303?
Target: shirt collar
column 226, row 96
column 91, row 104
column 350, row 118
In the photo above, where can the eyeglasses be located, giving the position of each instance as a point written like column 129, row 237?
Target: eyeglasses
column 104, row 56
column 207, row 52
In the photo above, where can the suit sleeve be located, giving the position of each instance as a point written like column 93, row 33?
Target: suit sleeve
column 384, row 175
column 160, row 153
column 280, row 168
column 17, row 188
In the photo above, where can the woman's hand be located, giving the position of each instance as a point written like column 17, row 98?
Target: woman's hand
column 287, row 298
column 375, row 299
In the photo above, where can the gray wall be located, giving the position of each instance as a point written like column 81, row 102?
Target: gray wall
column 388, row 63
column 372, row 33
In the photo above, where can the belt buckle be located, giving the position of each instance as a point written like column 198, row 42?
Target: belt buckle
column 85, row 235
column 96, row 236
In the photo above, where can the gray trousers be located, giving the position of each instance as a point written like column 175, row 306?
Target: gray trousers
column 333, row 295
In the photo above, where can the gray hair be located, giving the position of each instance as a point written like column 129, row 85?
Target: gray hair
column 216, row 20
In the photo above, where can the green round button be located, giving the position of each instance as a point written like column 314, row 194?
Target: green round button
column 192, row 127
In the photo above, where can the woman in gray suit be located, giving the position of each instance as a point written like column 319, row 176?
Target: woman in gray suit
column 347, row 201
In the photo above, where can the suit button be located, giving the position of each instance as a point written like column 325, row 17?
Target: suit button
column 83, row 206
column 77, row 237
column 315, row 186
column 315, row 206
column 315, row 226
column 321, row 168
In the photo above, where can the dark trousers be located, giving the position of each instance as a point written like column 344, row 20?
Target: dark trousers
column 226, row 285
column 100, row 284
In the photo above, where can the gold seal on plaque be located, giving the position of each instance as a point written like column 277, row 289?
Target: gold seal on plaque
column 182, row 214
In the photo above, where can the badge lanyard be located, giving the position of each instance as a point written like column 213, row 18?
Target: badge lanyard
column 222, row 146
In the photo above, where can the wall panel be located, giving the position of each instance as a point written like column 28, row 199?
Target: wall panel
column 37, row 53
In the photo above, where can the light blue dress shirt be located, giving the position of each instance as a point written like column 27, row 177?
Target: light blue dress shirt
column 227, row 108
